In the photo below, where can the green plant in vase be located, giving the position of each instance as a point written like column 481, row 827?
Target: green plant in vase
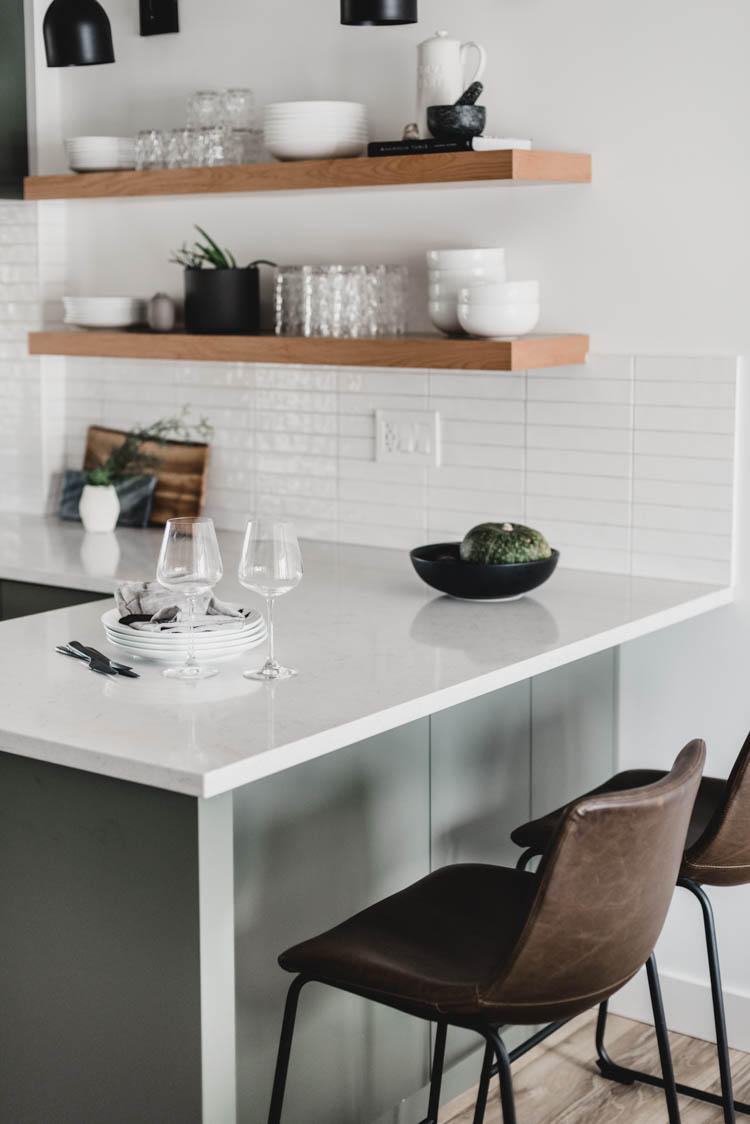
column 99, row 506
column 221, row 298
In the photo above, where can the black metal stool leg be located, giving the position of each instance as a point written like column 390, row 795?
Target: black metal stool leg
column 484, row 1084
column 614, row 1072
column 436, row 1078
column 722, row 1043
column 285, row 1047
column 507, row 1099
column 662, row 1037
column 526, row 858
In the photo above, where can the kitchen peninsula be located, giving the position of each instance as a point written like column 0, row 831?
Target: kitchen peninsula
column 162, row 842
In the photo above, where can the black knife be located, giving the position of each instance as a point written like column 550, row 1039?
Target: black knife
column 101, row 663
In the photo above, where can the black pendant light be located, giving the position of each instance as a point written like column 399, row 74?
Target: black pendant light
column 77, row 33
column 378, row 13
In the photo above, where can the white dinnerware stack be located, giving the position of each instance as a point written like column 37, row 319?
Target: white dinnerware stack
column 100, row 154
column 104, row 312
column 501, row 310
column 450, row 271
column 171, row 647
column 315, row 130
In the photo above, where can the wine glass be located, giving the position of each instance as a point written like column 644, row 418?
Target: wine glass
column 190, row 563
column 271, row 564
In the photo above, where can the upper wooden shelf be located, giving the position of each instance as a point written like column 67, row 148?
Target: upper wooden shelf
column 436, row 352
column 512, row 166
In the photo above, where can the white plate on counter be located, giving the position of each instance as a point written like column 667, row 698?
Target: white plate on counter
column 172, row 647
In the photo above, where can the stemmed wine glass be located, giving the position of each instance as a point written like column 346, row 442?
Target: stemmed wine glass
column 271, row 564
column 190, row 563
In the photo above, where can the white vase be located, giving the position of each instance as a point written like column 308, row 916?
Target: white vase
column 99, row 508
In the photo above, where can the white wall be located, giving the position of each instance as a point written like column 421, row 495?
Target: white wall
column 652, row 258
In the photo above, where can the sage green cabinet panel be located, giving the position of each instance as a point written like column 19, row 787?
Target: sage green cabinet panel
column 13, row 142
column 312, row 846
column 480, row 790
column 573, row 730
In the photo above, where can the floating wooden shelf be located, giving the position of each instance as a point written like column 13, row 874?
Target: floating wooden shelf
column 516, row 166
column 407, row 351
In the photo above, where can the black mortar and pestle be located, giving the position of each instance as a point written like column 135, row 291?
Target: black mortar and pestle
column 461, row 120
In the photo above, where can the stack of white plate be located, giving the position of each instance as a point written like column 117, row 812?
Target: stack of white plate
column 104, row 312
column 171, row 647
column 450, row 271
column 315, row 130
column 100, row 154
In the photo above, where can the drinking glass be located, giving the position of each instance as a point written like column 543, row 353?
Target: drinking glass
column 190, row 563
column 149, row 149
column 271, row 565
column 238, row 109
column 204, row 109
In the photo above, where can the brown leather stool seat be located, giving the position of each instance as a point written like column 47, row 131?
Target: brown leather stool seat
column 429, row 947
column 717, row 853
column 479, row 946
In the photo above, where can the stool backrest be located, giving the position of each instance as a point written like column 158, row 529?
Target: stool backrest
column 722, row 853
column 604, row 890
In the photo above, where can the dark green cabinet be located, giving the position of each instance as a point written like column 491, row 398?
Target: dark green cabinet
column 13, row 135
column 22, row 599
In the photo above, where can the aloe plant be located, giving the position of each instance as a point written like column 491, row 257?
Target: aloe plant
column 209, row 253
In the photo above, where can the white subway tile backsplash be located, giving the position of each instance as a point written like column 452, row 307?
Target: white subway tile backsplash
column 709, row 445
column 626, row 464
column 680, row 368
column 689, row 470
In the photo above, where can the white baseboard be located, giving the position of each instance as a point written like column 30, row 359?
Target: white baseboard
column 687, row 1005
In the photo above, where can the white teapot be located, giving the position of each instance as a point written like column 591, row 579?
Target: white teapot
column 441, row 77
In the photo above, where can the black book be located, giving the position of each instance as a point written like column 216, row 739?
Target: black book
column 411, row 147
column 429, row 145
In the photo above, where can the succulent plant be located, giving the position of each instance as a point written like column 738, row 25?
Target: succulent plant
column 209, row 253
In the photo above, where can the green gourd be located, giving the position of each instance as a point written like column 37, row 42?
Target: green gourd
column 503, row 543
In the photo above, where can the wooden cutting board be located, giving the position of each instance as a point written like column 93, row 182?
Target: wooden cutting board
column 181, row 473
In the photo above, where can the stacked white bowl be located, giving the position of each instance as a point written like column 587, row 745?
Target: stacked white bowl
column 100, row 154
column 499, row 310
column 450, row 271
column 315, row 130
column 104, row 312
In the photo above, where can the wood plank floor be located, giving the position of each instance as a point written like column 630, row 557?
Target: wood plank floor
column 558, row 1083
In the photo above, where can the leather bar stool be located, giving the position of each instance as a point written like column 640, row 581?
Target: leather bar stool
column 717, row 854
column 480, row 947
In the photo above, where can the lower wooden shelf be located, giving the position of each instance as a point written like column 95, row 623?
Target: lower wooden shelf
column 449, row 353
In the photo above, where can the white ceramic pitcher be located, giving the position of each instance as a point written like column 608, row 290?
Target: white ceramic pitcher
column 441, row 77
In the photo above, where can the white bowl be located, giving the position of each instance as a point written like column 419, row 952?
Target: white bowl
column 509, row 292
column 460, row 259
column 311, row 149
column 447, row 286
column 469, row 275
column 314, row 106
column 444, row 316
column 498, row 320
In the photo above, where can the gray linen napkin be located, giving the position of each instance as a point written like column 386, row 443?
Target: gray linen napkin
column 167, row 611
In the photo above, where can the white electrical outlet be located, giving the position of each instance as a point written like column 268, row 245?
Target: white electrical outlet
column 407, row 437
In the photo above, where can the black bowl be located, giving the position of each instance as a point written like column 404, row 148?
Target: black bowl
column 441, row 567
column 450, row 122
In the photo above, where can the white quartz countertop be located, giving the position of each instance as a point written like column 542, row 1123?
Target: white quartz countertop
column 375, row 648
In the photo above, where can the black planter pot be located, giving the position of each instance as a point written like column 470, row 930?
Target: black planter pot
column 222, row 302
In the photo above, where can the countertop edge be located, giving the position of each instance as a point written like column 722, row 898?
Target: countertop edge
column 229, row 777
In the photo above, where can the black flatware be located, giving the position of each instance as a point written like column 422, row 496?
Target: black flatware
column 101, row 667
column 95, row 654
column 96, row 660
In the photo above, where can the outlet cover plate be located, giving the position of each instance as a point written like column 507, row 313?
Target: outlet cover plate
column 407, row 437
